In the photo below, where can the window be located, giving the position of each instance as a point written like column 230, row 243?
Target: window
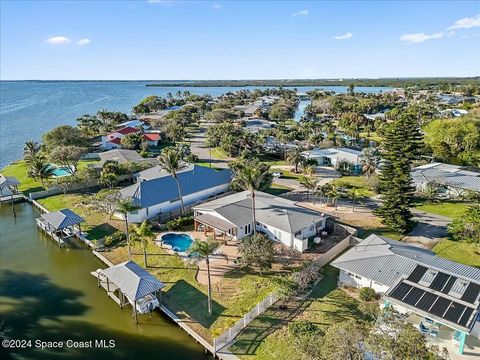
column 134, row 212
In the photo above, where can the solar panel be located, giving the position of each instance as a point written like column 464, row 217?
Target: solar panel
column 413, row 296
column 439, row 282
column 454, row 312
column 449, row 284
column 426, row 301
column 471, row 294
column 400, row 291
column 440, row 306
column 417, row 273
column 466, row 316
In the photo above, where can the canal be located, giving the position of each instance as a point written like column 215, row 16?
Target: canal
column 48, row 294
column 300, row 112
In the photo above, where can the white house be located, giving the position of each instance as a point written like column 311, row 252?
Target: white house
column 333, row 156
column 280, row 219
column 156, row 192
column 416, row 281
column 113, row 139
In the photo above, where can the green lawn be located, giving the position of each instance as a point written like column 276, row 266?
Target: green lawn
column 97, row 224
column 236, row 294
column 27, row 184
column 462, row 252
column 220, row 154
column 277, row 189
column 448, row 208
column 358, row 182
column 267, row 337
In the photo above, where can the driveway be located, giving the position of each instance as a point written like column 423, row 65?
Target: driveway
column 429, row 230
column 198, row 147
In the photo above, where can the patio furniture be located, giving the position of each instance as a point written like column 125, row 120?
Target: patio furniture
column 428, row 321
column 457, row 336
column 423, row 328
column 433, row 333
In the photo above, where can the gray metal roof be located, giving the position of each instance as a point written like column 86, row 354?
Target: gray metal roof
column 159, row 190
column 448, row 175
column 62, row 219
column 278, row 212
column 385, row 260
column 122, row 156
column 134, row 281
column 7, row 181
column 157, row 172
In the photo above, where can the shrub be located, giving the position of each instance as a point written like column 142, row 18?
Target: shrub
column 180, row 222
column 305, row 276
column 302, row 327
column 367, row 294
column 116, row 237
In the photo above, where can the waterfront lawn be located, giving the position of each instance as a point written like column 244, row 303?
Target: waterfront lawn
column 235, row 295
column 97, row 224
column 448, row 208
column 462, row 252
column 27, row 184
column 267, row 337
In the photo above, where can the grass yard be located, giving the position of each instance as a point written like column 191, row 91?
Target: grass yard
column 97, row 224
column 268, row 338
column 277, row 189
column 234, row 296
column 448, row 208
column 462, row 252
column 27, row 184
column 219, row 154
column 358, row 182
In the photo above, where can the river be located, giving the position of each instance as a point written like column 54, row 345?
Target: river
column 28, row 109
column 47, row 293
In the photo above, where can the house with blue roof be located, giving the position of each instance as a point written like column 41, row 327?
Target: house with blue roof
column 156, row 192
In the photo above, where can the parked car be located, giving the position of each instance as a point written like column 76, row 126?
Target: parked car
column 277, row 174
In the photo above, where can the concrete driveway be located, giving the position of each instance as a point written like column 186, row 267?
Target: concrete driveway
column 429, row 229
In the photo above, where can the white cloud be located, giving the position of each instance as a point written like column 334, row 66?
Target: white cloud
column 162, row 2
column 300, row 13
column 58, row 40
column 217, row 6
column 345, row 36
column 470, row 36
column 420, row 37
column 85, row 41
column 466, row 23
column 450, row 33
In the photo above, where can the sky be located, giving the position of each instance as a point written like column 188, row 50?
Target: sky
column 161, row 39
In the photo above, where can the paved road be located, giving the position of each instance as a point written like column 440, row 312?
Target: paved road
column 198, row 148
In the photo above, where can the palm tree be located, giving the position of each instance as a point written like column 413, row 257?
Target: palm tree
column 295, row 157
column 38, row 168
column 171, row 161
column 141, row 234
column 30, row 150
column 204, row 249
column 310, row 183
column 124, row 207
column 251, row 175
column 353, row 194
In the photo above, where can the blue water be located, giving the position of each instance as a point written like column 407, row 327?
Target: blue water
column 302, row 104
column 178, row 242
column 61, row 171
column 28, row 109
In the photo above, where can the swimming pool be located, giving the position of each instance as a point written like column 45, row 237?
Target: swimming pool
column 59, row 171
column 178, row 241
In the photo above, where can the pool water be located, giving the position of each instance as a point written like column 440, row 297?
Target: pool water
column 178, row 242
column 59, row 171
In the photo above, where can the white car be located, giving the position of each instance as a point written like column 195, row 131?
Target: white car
column 277, row 174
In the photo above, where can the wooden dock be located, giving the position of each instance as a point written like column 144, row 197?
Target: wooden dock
column 44, row 226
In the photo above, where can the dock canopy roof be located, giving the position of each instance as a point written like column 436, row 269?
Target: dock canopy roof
column 62, row 219
column 8, row 181
column 132, row 280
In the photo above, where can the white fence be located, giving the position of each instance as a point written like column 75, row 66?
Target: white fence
column 228, row 336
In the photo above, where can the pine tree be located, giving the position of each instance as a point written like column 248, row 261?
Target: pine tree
column 402, row 143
